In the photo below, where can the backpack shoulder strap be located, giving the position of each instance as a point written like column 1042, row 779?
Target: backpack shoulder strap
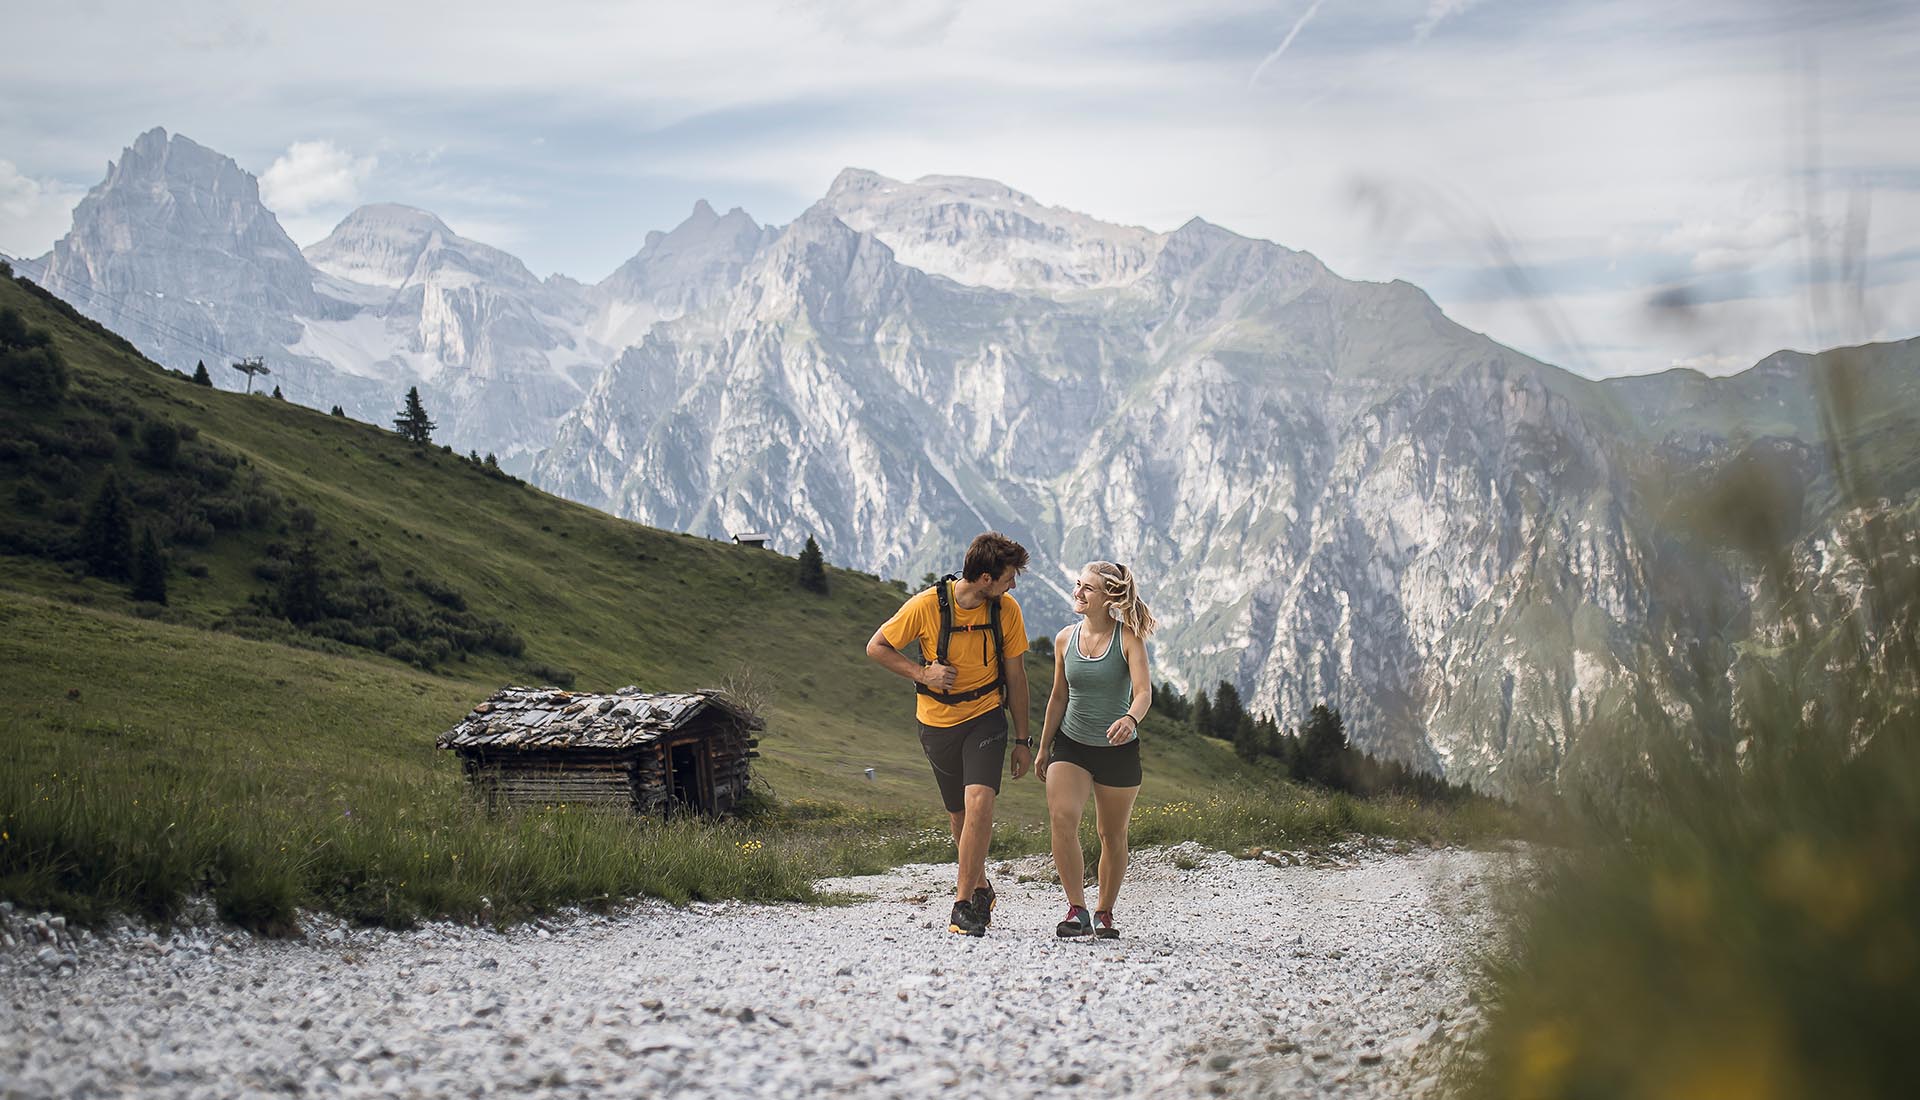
column 999, row 642
column 943, row 592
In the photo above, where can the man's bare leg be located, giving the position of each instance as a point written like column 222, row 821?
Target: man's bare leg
column 973, row 831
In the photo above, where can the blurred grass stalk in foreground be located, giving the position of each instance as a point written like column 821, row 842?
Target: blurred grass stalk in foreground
column 1736, row 909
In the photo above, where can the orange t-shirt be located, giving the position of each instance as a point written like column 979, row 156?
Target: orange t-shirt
column 919, row 619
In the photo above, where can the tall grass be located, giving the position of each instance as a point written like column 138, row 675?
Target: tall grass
column 1737, row 913
column 90, row 837
column 90, row 834
column 1290, row 816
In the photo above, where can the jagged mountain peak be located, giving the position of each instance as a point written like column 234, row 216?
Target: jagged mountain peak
column 172, row 205
column 157, row 147
column 984, row 233
column 676, row 272
column 395, row 217
column 392, row 245
column 172, row 170
column 702, row 231
column 816, row 246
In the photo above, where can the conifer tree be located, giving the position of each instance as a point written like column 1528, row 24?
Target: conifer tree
column 1203, row 714
column 1246, row 743
column 1267, row 737
column 813, row 568
column 1323, row 747
column 338, row 411
column 412, row 421
column 1227, row 712
column 106, row 541
column 200, row 375
column 1168, row 701
column 300, row 596
column 150, row 570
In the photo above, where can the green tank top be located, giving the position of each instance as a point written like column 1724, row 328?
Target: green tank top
column 1099, row 690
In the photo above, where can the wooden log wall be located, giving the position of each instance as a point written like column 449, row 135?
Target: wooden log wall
column 526, row 780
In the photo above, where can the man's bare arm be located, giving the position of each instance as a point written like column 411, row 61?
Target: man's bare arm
column 939, row 677
column 1017, row 700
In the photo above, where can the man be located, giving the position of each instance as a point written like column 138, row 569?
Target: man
column 972, row 651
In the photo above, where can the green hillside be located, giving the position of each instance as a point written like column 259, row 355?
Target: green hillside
column 336, row 597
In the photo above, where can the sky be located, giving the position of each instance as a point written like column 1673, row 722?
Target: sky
column 1615, row 188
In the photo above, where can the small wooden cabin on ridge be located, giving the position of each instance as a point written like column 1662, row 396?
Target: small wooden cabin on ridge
column 652, row 753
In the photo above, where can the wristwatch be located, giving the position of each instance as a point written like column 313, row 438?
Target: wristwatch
column 1025, row 742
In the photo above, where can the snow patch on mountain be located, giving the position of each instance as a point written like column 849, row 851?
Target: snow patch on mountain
column 985, row 233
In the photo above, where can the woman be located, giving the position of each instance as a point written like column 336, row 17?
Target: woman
column 1090, row 742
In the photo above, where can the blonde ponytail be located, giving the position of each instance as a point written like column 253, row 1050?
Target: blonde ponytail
column 1123, row 598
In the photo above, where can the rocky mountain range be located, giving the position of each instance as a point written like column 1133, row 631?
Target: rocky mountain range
column 1332, row 491
column 175, row 250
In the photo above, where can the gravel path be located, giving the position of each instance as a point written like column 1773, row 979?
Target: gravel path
column 1234, row 977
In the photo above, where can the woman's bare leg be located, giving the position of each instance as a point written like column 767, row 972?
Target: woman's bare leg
column 1112, row 810
column 1067, row 787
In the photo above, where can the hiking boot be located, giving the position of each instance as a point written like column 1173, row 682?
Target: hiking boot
column 1077, row 924
column 1103, row 928
column 984, row 899
column 966, row 920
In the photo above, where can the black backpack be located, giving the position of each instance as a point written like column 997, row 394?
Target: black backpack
column 944, row 593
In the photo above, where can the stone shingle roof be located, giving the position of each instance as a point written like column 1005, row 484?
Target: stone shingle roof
column 546, row 718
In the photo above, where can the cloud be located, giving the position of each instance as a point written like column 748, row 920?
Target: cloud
column 1274, row 56
column 1728, row 243
column 1438, row 12
column 312, row 175
column 575, row 126
column 889, row 22
column 33, row 213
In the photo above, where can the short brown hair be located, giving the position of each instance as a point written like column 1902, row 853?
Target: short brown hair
column 992, row 554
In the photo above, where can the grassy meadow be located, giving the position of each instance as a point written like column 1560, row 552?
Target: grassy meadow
column 149, row 751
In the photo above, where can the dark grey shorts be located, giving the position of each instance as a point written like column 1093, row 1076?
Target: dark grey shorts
column 1110, row 765
column 969, row 753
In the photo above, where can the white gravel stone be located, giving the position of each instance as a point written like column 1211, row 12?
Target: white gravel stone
column 1233, row 978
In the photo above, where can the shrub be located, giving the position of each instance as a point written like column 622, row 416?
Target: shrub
column 91, row 439
column 440, row 594
column 30, row 366
column 106, row 543
column 547, row 674
column 149, row 570
column 159, row 444
column 191, row 529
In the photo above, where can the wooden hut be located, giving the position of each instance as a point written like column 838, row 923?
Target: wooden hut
column 653, row 753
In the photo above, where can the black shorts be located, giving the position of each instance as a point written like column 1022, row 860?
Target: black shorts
column 1110, row 765
column 967, row 754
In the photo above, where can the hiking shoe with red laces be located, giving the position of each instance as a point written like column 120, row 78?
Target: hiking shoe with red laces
column 1077, row 924
column 1103, row 928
